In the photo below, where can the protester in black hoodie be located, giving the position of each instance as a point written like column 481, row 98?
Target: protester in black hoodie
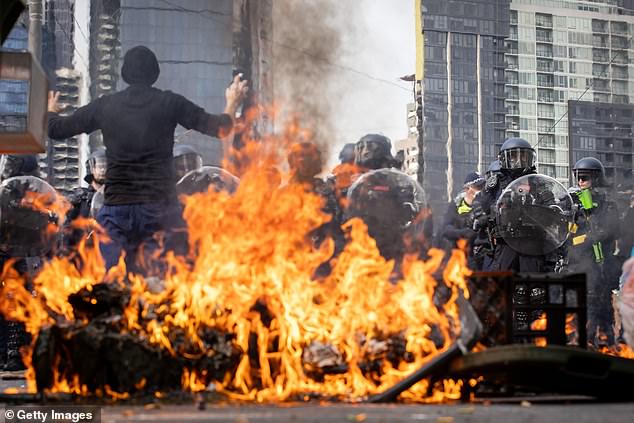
column 138, row 126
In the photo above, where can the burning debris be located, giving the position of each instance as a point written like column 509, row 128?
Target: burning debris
column 99, row 353
column 243, row 313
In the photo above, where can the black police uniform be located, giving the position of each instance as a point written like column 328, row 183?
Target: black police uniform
column 504, row 257
column 12, row 334
column 595, row 233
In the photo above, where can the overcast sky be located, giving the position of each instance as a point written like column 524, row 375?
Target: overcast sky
column 383, row 46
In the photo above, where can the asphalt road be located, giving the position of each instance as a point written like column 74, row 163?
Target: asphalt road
column 569, row 410
column 579, row 413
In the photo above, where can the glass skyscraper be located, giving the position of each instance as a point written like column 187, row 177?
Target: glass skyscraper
column 462, row 92
column 192, row 39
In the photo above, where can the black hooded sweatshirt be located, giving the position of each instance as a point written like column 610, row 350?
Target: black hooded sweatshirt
column 138, row 126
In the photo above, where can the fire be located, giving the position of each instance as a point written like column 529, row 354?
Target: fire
column 620, row 350
column 250, row 275
column 541, row 323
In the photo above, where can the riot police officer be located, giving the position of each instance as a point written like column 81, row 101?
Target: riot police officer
column 373, row 151
column 592, row 245
column 186, row 159
column 458, row 221
column 494, row 167
column 81, row 198
column 12, row 334
column 346, row 155
column 517, row 159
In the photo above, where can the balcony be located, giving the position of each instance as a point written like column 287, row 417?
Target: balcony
column 620, row 43
column 618, row 72
column 543, row 21
column 547, row 141
column 600, row 70
column 599, row 26
column 600, row 43
column 544, row 129
column 545, row 82
column 619, row 28
column 544, row 38
column 545, row 67
column 512, row 110
column 622, row 58
column 544, row 52
column 600, row 85
column 600, row 55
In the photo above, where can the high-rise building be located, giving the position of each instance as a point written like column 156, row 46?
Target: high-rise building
column 408, row 149
column 60, row 164
column 196, row 43
column 13, row 93
column 462, row 73
column 409, row 145
column 560, row 51
column 604, row 131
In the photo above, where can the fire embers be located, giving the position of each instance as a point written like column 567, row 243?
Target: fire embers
column 101, row 355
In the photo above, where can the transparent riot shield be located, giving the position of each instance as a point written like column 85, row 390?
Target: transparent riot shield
column 97, row 203
column 534, row 214
column 389, row 202
column 28, row 221
column 200, row 180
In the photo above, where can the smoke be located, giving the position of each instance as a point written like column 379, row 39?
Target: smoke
column 307, row 45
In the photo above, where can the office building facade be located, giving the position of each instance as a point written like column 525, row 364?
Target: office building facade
column 560, row 51
column 604, row 131
column 462, row 92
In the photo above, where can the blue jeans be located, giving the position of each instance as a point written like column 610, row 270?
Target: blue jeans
column 144, row 232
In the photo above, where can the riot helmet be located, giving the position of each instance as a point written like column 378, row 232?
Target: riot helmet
column 346, row 155
column 96, row 169
column 591, row 168
column 494, row 167
column 186, row 159
column 19, row 165
column 389, row 202
column 517, row 155
column 373, row 151
column 207, row 178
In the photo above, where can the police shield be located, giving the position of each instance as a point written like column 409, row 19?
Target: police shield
column 201, row 180
column 388, row 201
column 533, row 215
column 97, row 203
column 28, row 221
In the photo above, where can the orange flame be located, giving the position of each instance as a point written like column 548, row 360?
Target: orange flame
column 541, row 323
column 251, row 247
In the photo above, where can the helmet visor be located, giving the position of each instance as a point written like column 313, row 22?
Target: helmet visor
column 518, row 158
column 98, row 168
column 186, row 163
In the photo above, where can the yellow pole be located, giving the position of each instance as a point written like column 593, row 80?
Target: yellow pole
column 420, row 41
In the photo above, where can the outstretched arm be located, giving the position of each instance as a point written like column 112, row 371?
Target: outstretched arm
column 82, row 120
column 191, row 116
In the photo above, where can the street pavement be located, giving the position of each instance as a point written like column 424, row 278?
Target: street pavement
column 577, row 410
